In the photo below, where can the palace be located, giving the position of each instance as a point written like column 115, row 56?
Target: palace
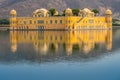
column 42, row 20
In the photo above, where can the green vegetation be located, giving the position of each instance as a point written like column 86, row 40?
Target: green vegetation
column 96, row 46
column 116, row 22
column 4, row 22
column 63, row 14
column 75, row 12
column 95, row 11
column 76, row 47
column 52, row 11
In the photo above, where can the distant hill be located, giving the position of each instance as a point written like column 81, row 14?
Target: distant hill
column 26, row 7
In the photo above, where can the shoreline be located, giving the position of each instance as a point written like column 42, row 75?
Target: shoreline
column 8, row 28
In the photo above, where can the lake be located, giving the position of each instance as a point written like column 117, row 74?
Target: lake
column 60, row 55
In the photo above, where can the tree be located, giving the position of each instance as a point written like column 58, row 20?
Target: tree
column 75, row 12
column 95, row 11
column 52, row 11
column 63, row 14
column 4, row 21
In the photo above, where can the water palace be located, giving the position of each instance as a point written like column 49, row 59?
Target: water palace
column 42, row 20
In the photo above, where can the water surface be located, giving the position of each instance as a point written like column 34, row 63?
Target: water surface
column 60, row 55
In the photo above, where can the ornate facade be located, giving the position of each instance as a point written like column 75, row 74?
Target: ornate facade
column 42, row 20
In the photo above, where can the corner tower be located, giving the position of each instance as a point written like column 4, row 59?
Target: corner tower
column 13, row 19
column 68, row 12
column 109, row 18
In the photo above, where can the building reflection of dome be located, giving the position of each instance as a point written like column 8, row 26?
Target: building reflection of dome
column 87, row 48
column 56, row 47
column 109, row 46
column 14, row 47
column 69, row 49
column 43, row 49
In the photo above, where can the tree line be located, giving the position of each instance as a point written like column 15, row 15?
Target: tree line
column 4, row 22
column 75, row 12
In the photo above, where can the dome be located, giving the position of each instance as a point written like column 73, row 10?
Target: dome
column 87, row 10
column 93, row 13
column 68, row 11
column 108, row 11
column 42, row 12
column 56, row 13
column 13, row 12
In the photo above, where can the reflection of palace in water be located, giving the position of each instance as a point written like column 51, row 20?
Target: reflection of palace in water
column 85, row 40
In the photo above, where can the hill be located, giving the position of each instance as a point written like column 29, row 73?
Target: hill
column 26, row 7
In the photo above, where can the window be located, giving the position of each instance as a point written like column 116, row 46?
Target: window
column 60, row 21
column 91, row 21
column 83, row 21
column 38, row 15
column 30, row 21
column 24, row 22
column 55, row 21
column 50, row 21
column 61, row 38
column 34, row 22
column 51, row 38
column 46, row 22
column 98, row 21
column 69, row 21
column 55, row 37
column 40, row 22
